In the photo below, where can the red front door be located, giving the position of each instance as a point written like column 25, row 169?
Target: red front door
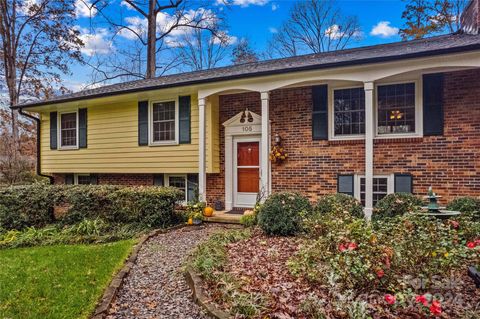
column 248, row 167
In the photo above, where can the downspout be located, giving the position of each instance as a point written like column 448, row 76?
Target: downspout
column 37, row 121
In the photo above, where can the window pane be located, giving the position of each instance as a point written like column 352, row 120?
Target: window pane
column 396, row 108
column 349, row 111
column 83, row 179
column 68, row 129
column 164, row 121
column 380, row 189
column 178, row 182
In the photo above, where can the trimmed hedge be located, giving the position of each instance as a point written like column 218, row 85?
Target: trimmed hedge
column 338, row 204
column 26, row 206
column 467, row 205
column 33, row 206
column 396, row 204
column 283, row 214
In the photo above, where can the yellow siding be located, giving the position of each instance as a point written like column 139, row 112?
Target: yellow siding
column 113, row 146
column 212, row 146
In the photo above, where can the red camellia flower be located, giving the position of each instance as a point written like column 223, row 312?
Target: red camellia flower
column 471, row 245
column 380, row 273
column 352, row 246
column 454, row 224
column 342, row 247
column 436, row 308
column 390, row 299
column 422, row 299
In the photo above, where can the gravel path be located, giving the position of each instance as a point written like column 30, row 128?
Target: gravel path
column 155, row 287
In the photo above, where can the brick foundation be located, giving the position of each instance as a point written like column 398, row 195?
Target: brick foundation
column 115, row 179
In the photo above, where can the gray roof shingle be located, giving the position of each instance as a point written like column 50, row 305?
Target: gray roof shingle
column 378, row 53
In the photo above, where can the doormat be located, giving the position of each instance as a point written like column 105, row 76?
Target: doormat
column 236, row 211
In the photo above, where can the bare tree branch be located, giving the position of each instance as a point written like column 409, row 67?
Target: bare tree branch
column 314, row 26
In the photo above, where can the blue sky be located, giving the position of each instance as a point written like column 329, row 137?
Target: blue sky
column 254, row 19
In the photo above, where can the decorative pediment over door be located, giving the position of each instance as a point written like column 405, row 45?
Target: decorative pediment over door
column 245, row 122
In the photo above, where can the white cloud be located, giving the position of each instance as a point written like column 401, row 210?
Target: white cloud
column 83, row 8
column 243, row 3
column 384, row 30
column 225, row 38
column 273, row 30
column 138, row 26
column 24, row 6
column 274, row 7
column 135, row 25
column 334, row 32
column 125, row 4
column 95, row 43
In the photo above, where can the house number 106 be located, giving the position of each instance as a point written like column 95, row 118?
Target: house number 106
column 247, row 129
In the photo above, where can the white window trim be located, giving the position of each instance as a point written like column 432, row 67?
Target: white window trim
column 151, row 142
column 75, row 178
column 390, row 184
column 331, row 116
column 59, row 131
column 167, row 183
column 418, row 111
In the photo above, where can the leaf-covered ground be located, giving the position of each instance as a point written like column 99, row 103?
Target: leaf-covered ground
column 259, row 263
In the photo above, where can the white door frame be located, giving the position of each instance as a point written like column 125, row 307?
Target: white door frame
column 244, row 199
column 236, row 128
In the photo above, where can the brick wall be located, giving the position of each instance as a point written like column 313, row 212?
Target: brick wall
column 450, row 163
column 126, row 179
column 230, row 105
column 115, row 179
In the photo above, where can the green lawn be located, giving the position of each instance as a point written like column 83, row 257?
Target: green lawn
column 57, row 281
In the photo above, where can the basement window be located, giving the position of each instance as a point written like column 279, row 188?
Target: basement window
column 179, row 182
column 382, row 186
column 82, row 179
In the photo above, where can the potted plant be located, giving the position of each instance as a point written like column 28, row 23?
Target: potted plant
column 195, row 212
column 197, row 218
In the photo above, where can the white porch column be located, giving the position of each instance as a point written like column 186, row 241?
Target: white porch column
column 202, row 176
column 369, row 127
column 265, row 151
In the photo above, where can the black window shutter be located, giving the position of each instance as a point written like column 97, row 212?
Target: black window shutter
column 345, row 184
column 93, row 179
column 320, row 112
column 433, row 104
column 69, row 180
column 184, row 113
column 158, row 180
column 53, row 130
column 143, row 123
column 192, row 187
column 82, row 128
column 403, row 183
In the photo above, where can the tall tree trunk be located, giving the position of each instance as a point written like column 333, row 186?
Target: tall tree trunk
column 152, row 40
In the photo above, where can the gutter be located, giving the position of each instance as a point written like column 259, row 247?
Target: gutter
column 331, row 65
column 37, row 121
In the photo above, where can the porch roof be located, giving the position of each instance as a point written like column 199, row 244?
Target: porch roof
column 452, row 43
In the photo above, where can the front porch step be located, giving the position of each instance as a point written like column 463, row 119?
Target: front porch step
column 222, row 217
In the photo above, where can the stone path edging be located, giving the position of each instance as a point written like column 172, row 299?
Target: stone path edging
column 195, row 283
column 111, row 291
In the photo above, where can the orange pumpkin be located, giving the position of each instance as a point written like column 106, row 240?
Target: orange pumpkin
column 208, row 211
column 190, row 221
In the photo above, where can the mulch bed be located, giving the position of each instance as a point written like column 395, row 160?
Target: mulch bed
column 260, row 264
